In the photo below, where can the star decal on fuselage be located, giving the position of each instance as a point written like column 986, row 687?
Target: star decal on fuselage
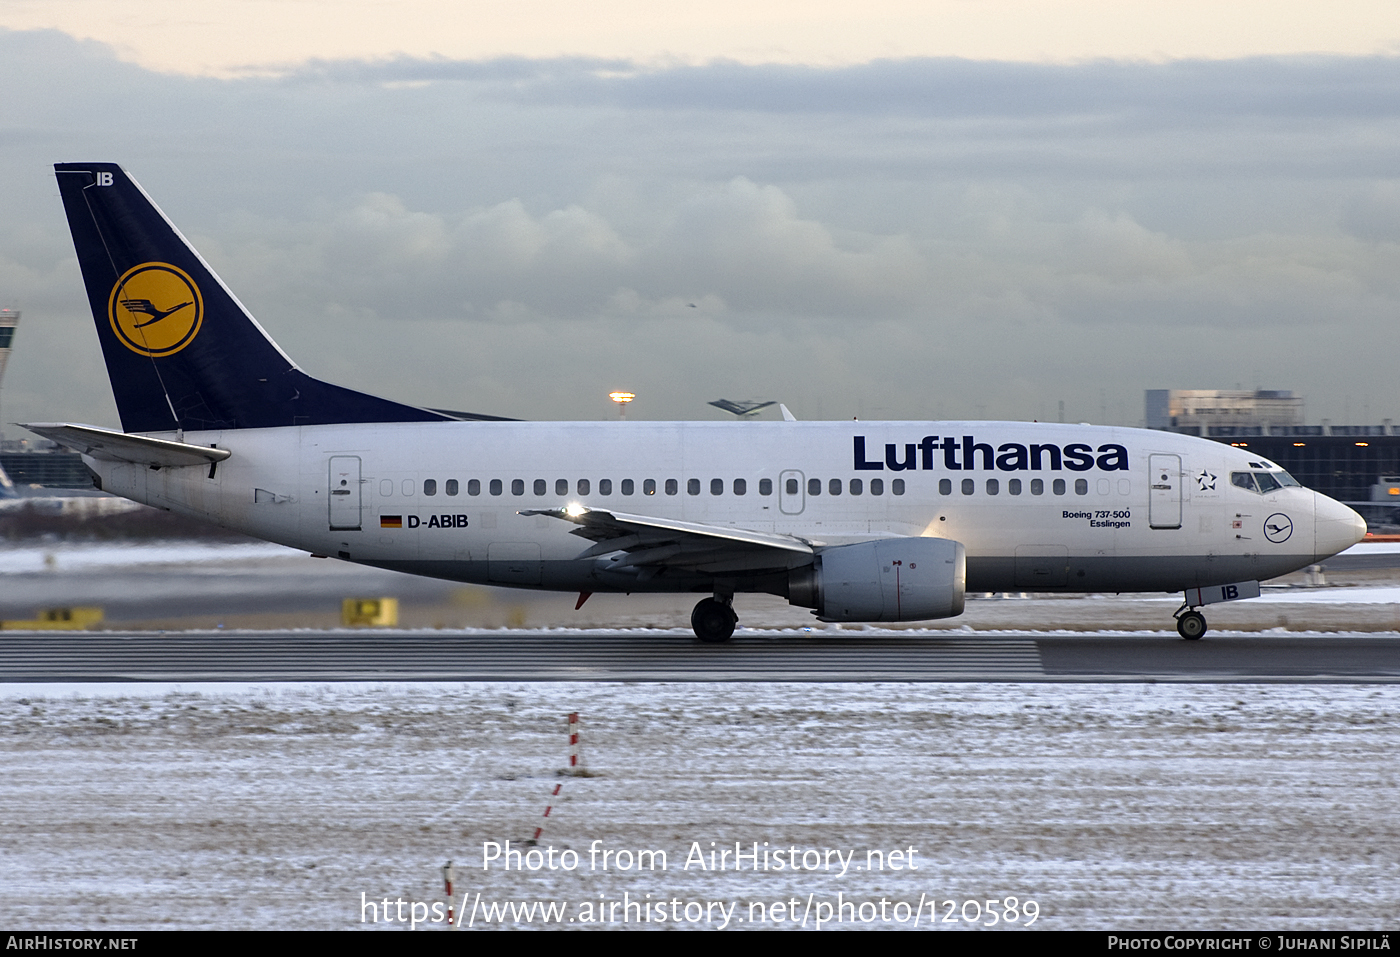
column 1206, row 481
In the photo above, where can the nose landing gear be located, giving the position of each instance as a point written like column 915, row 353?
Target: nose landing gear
column 1191, row 624
column 713, row 621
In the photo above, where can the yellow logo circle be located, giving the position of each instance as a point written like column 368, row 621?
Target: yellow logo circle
column 156, row 309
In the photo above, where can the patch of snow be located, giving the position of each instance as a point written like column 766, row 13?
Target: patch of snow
column 72, row 556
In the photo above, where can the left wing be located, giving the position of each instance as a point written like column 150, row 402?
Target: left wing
column 658, row 542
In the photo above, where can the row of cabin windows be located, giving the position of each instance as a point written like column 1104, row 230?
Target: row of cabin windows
column 1014, row 486
column 765, row 486
column 855, row 486
column 583, row 487
column 672, row 486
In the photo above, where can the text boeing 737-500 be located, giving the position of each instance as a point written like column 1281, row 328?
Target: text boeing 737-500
column 859, row 521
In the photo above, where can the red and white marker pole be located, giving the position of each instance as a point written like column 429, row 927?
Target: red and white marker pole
column 573, row 763
column 573, row 740
column 447, row 874
column 540, row 830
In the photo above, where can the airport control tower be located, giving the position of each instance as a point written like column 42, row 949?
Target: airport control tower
column 9, row 319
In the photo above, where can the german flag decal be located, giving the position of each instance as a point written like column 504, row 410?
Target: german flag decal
column 391, row 521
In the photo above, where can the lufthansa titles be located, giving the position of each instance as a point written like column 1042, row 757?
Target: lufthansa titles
column 967, row 454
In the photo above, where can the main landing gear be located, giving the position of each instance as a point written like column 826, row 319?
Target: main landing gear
column 1190, row 624
column 713, row 621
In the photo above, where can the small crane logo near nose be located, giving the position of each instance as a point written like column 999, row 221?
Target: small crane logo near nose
column 1278, row 527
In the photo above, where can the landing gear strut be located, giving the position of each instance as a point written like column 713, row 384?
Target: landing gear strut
column 713, row 621
column 1191, row 624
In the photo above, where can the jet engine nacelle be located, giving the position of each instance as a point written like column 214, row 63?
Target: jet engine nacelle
column 897, row 579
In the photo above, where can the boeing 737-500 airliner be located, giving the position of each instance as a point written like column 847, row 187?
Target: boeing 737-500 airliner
column 858, row 521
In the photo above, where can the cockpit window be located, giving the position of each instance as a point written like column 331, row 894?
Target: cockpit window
column 1262, row 481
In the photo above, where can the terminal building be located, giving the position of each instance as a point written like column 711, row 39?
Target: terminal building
column 1351, row 463
column 1200, row 411
column 29, row 463
column 39, row 462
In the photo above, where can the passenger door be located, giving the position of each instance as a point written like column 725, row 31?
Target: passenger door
column 1164, row 484
column 345, row 495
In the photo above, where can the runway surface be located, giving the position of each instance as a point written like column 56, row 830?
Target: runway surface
column 525, row 656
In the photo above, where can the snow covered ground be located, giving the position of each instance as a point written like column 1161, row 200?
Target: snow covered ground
column 279, row 806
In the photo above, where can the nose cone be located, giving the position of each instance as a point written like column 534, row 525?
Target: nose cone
column 1335, row 526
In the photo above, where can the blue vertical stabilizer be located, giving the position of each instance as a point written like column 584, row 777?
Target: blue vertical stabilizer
column 181, row 351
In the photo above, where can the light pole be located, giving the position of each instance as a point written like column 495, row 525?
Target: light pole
column 621, row 398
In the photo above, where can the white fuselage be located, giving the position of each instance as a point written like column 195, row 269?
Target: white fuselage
column 1042, row 506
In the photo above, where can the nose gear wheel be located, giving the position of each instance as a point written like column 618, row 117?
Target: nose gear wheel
column 1191, row 625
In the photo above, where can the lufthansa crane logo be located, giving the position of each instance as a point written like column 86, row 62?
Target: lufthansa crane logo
column 156, row 309
column 1278, row 527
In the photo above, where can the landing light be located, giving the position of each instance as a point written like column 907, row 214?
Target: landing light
column 574, row 510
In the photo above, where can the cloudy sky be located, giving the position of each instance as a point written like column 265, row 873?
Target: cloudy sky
column 954, row 208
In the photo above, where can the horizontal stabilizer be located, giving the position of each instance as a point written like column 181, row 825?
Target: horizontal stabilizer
column 121, row 447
